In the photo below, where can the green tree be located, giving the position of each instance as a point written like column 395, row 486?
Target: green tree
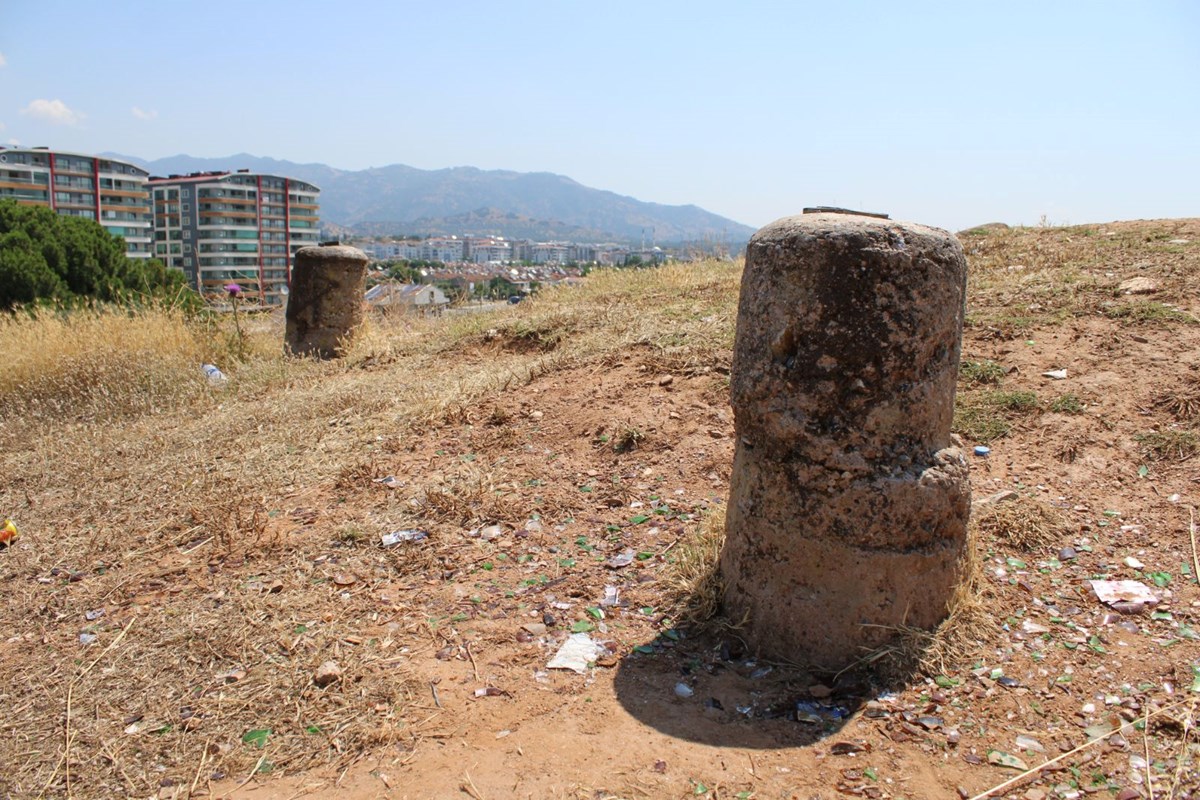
column 44, row 255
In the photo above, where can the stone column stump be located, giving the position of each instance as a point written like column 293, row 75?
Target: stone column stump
column 325, row 304
column 848, row 504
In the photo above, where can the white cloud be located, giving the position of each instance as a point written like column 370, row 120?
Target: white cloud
column 55, row 112
column 3, row 60
column 14, row 142
column 144, row 115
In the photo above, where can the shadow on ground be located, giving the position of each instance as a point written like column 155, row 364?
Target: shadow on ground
column 708, row 690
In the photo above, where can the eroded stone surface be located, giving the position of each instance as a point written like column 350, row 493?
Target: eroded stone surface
column 325, row 305
column 848, row 503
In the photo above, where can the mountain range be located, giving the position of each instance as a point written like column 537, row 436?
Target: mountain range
column 399, row 199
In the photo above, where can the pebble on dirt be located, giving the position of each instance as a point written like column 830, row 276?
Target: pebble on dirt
column 327, row 673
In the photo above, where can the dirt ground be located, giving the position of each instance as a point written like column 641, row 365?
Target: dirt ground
column 564, row 503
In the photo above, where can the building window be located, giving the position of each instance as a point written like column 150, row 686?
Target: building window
column 187, row 234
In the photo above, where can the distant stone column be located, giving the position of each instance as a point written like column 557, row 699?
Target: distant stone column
column 848, row 504
column 325, row 303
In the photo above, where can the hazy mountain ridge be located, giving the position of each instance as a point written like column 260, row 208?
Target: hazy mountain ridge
column 468, row 200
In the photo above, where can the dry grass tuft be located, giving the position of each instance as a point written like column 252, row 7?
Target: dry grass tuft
column 959, row 638
column 1182, row 401
column 1169, row 444
column 696, row 588
column 1023, row 523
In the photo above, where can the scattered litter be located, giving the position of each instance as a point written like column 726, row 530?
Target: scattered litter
column 816, row 714
column 1003, row 759
column 624, row 559
column 576, row 653
column 390, row 482
column 87, row 638
column 1128, row 597
column 612, row 596
column 94, row 614
column 8, row 533
column 214, row 375
column 683, row 690
column 1056, row 374
column 1029, row 626
column 1030, row 744
column 487, row 533
column 849, row 748
column 396, row 537
column 489, row 691
column 982, row 450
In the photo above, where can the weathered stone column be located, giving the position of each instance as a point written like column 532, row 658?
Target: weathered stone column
column 325, row 304
column 848, row 504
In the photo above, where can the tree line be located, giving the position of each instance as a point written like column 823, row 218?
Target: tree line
column 45, row 256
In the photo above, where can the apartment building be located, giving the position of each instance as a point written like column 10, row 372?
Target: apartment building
column 106, row 190
column 234, row 227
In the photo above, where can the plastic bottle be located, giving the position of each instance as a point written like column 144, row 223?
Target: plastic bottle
column 215, row 376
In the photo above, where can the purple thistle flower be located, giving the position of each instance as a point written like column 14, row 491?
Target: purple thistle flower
column 233, row 289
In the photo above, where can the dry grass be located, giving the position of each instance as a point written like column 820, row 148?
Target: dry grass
column 99, row 364
column 696, row 587
column 1182, row 401
column 968, row 625
column 1022, row 523
column 212, row 522
column 1024, row 278
column 1169, row 444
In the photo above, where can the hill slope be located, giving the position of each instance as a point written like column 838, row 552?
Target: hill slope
column 192, row 556
column 395, row 196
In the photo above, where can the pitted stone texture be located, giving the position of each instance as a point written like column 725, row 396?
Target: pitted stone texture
column 848, row 504
column 325, row 305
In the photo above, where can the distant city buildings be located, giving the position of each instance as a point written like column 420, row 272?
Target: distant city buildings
column 109, row 191
column 245, row 228
column 496, row 250
column 234, row 227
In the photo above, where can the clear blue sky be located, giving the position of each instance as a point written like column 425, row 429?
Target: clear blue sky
column 951, row 113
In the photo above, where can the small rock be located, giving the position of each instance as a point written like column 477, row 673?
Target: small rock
column 683, row 690
column 999, row 497
column 1067, row 554
column 1034, row 794
column 1055, row 374
column 1138, row 285
column 327, row 673
column 666, row 380
column 535, row 628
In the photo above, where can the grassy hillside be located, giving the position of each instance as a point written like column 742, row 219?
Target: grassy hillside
column 192, row 554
